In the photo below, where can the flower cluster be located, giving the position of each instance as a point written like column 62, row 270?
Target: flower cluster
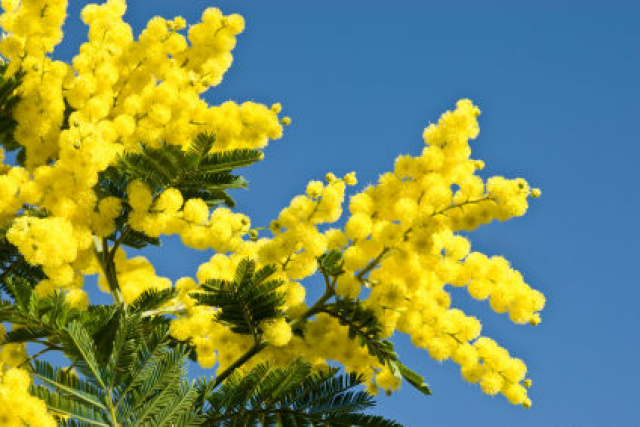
column 401, row 247
column 221, row 229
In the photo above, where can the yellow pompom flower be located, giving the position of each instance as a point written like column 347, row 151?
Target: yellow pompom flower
column 358, row 226
column 139, row 195
column 77, row 298
column 196, row 211
column 169, row 201
column 13, row 354
column 350, row 179
column 314, row 189
column 277, row 332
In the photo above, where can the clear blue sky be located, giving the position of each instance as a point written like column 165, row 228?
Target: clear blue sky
column 558, row 86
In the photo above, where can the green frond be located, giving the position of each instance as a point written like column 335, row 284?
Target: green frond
column 223, row 161
column 178, row 410
column 68, row 384
column 263, row 274
column 20, row 291
column 121, row 349
column 363, row 326
column 244, row 271
column 200, row 147
column 152, row 299
column 196, row 172
column 138, row 240
column 363, row 420
column 190, row 171
column 25, row 334
column 246, row 301
column 159, row 385
column 103, row 325
column 38, row 317
column 7, row 310
column 61, row 404
column 85, row 347
column 236, row 392
column 14, row 265
column 328, row 393
column 141, row 361
column 53, row 310
column 137, row 381
column 295, row 395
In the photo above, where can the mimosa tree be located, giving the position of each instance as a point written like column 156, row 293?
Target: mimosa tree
column 118, row 149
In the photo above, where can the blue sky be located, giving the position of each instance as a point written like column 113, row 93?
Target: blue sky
column 557, row 82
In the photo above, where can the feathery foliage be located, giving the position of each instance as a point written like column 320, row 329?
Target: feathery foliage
column 246, row 301
column 198, row 172
column 291, row 396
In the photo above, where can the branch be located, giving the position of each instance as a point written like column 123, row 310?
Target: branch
column 373, row 263
column 317, row 307
column 460, row 205
column 108, row 268
column 40, row 353
column 116, row 244
column 255, row 349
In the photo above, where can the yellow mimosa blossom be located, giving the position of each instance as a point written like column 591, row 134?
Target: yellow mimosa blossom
column 399, row 249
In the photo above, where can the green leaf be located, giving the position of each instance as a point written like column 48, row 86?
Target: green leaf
column 246, row 301
column 295, row 395
column 138, row 240
column 86, row 347
column 152, row 299
column 159, row 386
column 68, row 384
column 332, row 262
column 65, row 405
column 363, row 326
column 412, row 377
column 20, row 290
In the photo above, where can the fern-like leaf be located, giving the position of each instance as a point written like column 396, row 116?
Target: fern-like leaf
column 364, row 327
column 152, row 299
column 295, row 395
column 85, row 346
column 67, row 383
column 246, row 301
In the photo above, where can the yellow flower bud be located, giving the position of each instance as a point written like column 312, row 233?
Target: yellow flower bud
column 276, row 108
column 350, row 179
